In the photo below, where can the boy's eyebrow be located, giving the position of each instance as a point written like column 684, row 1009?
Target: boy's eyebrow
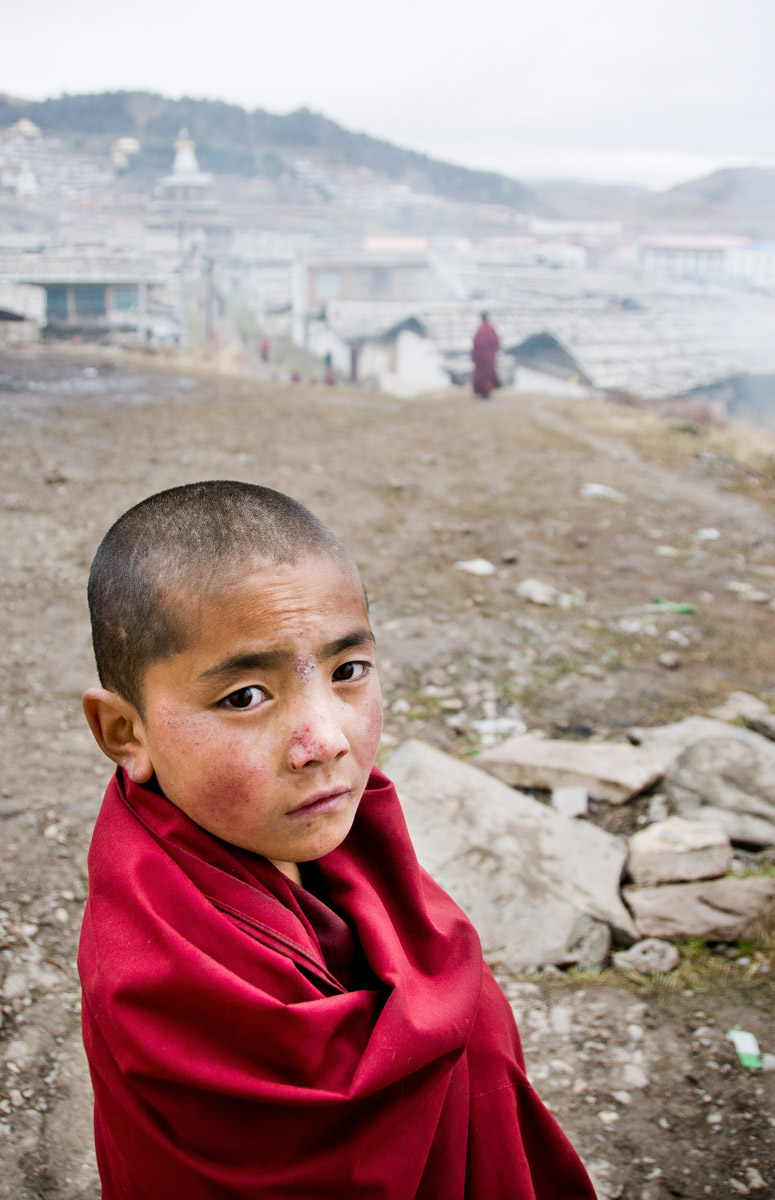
column 271, row 660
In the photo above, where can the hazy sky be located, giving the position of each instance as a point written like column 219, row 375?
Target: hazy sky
column 646, row 91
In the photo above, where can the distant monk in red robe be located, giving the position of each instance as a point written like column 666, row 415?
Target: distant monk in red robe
column 278, row 1002
column 486, row 347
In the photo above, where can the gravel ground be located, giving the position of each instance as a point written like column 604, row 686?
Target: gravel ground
column 640, row 1076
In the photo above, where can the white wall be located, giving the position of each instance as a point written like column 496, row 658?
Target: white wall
column 410, row 366
column 323, row 341
column 528, row 380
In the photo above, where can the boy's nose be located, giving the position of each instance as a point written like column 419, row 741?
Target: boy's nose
column 318, row 739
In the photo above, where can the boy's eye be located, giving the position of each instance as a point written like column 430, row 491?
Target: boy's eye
column 351, row 670
column 247, row 697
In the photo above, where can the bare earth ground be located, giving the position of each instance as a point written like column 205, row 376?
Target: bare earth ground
column 640, row 1076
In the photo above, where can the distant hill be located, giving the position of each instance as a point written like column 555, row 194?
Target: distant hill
column 231, row 140
column 740, row 199
column 732, row 200
column 577, row 199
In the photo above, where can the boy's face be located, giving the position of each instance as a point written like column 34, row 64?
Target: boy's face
column 264, row 729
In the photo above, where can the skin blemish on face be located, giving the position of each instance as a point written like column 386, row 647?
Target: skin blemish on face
column 305, row 667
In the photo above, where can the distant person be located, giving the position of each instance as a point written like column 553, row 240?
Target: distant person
column 266, row 350
column 329, row 378
column 486, row 347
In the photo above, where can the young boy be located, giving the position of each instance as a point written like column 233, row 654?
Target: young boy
column 277, row 1000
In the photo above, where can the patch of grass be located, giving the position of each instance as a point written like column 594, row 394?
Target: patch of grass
column 702, row 971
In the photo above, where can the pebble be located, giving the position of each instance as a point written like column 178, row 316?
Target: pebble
column 600, row 491
column 537, row 592
column 634, row 1076
column 570, row 801
column 477, row 566
column 608, row 1116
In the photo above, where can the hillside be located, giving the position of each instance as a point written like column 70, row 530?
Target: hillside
column 231, row 140
column 734, row 200
column 723, row 199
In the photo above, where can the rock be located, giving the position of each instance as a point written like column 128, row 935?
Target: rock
column 763, row 723
column 608, row 1116
column 729, row 782
column 477, row 566
column 659, row 810
column 633, row 1075
column 670, row 661
column 600, row 491
column 652, row 956
column 667, row 742
column 677, row 850
column 537, row 592
column 738, row 706
column 570, row 801
column 720, row 909
column 541, row 889
column 500, row 726
column 611, row 771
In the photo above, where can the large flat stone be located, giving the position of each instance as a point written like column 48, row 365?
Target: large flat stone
column 719, row 773
column 719, row 909
column 668, row 742
column 676, row 851
column 730, row 783
column 539, row 887
column 611, row 771
column 740, row 706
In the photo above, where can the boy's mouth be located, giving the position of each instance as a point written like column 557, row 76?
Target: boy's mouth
column 320, row 802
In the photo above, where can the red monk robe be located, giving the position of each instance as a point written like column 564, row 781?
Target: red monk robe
column 486, row 347
column 249, row 1039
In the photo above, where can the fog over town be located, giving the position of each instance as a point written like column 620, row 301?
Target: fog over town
column 206, row 225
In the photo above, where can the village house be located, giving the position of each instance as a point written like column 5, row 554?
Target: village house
column 21, row 313
column 542, row 364
column 703, row 256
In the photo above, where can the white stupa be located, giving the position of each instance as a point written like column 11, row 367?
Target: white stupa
column 187, row 187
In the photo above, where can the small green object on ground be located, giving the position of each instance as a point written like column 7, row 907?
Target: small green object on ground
column 747, row 1048
column 675, row 606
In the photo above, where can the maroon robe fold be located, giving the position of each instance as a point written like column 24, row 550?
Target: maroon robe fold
column 483, row 354
column 251, row 1039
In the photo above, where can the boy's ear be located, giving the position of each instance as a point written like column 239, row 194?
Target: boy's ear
column 118, row 731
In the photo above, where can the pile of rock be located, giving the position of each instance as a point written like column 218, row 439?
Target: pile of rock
column 543, row 887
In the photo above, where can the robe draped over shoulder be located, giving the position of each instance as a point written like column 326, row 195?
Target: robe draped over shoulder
column 250, row 1039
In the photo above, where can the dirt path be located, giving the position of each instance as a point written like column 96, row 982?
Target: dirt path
column 411, row 488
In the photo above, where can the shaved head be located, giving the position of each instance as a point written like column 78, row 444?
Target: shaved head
column 157, row 563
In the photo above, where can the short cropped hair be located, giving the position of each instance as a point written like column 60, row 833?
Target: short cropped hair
column 180, row 543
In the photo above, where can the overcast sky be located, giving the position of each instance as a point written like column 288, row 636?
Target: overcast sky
column 644, row 91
